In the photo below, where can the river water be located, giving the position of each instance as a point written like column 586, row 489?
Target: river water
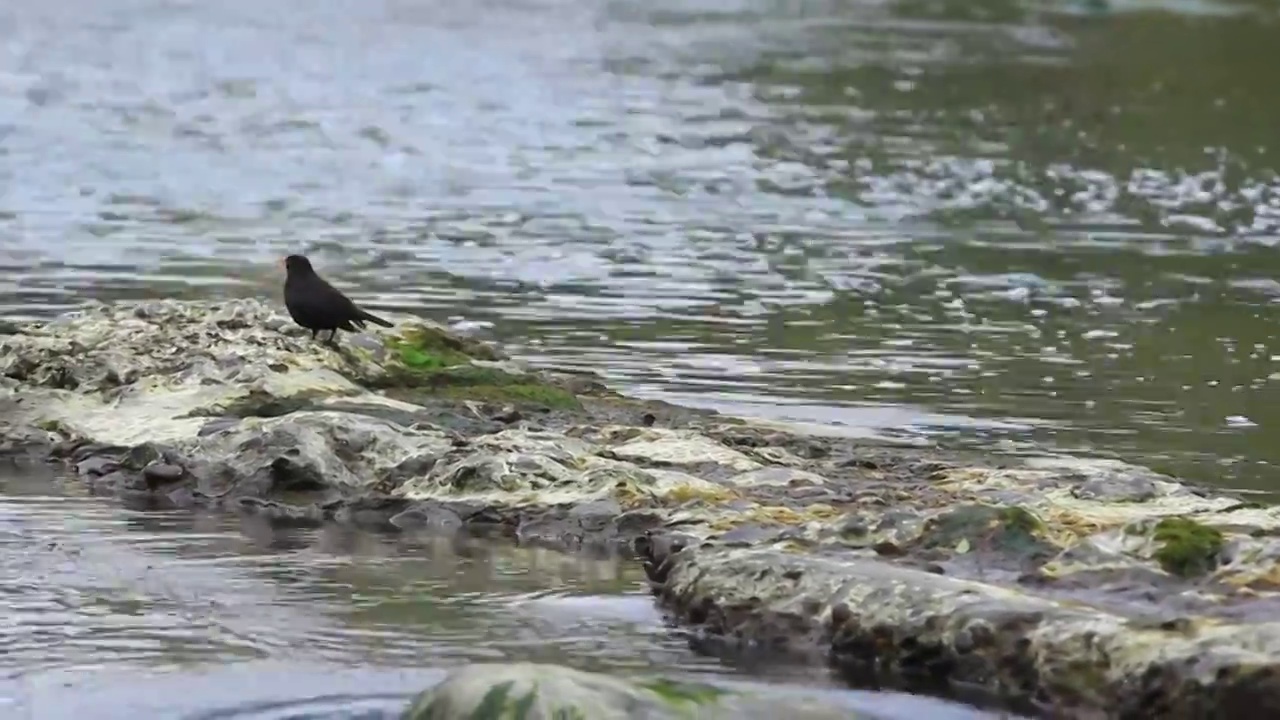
column 1024, row 226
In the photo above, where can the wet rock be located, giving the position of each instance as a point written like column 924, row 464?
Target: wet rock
column 596, row 517
column 281, row 514
column 786, row 477
column 308, row 452
column 1115, row 487
column 399, row 413
column 370, row 513
column 97, row 466
column 552, row 692
column 637, row 523
column 885, row 622
column 159, row 473
column 113, row 481
column 551, row 529
column 217, row 425
column 657, row 446
column 1004, row 532
column 428, row 517
column 749, row 535
column 508, row 415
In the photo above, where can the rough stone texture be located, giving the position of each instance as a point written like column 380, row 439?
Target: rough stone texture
column 1077, row 588
column 529, row 691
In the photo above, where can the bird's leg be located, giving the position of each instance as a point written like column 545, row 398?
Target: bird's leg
column 313, row 334
column 333, row 337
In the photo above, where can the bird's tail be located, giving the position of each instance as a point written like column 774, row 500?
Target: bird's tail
column 366, row 315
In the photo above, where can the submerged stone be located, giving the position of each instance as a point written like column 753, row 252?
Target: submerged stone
column 530, row 691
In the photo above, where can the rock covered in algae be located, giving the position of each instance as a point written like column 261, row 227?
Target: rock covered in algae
column 529, row 691
column 1027, row 582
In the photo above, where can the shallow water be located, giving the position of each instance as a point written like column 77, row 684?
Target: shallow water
column 1028, row 227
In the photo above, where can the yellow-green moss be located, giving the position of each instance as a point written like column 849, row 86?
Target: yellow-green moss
column 678, row 693
column 428, row 359
column 424, row 348
column 1187, row 548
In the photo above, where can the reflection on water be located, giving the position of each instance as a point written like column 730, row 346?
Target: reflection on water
column 115, row 613
column 181, row 589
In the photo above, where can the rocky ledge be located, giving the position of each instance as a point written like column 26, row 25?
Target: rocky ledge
column 1060, row 587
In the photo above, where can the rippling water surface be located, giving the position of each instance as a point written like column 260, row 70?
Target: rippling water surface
column 1028, row 226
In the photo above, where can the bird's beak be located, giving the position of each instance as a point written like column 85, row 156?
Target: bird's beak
column 281, row 264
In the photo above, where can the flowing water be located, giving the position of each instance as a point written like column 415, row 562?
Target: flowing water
column 1024, row 226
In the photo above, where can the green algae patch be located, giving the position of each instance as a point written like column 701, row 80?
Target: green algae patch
column 478, row 382
column 426, row 359
column 1187, row 548
column 683, row 693
column 426, row 348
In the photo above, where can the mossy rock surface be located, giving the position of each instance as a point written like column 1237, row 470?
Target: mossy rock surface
column 485, row 384
column 425, row 347
column 429, row 360
column 1187, row 548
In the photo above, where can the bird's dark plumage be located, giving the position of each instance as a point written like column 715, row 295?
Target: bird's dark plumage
column 316, row 305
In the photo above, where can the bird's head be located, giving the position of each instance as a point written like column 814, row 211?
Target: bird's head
column 297, row 264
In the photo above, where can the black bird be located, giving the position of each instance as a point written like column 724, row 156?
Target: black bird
column 316, row 305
